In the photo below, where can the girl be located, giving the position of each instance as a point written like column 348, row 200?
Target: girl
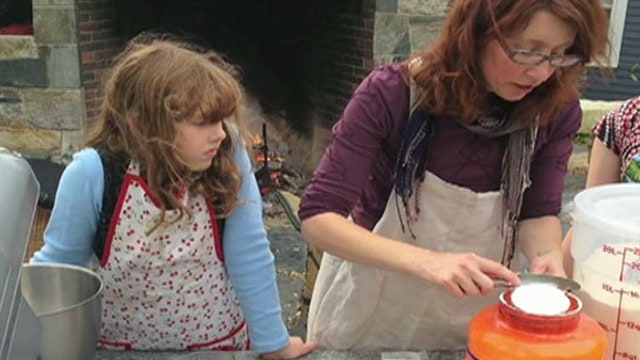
column 441, row 165
column 165, row 198
column 615, row 155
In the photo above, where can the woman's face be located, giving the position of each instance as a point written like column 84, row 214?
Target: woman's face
column 546, row 34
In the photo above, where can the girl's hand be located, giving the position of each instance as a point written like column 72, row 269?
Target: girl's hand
column 463, row 274
column 294, row 350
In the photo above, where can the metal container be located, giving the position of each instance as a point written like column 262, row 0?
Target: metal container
column 67, row 302
column 19, row 190
column 47, row 312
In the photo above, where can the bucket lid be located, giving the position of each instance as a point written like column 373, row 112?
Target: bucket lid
column 615, row 206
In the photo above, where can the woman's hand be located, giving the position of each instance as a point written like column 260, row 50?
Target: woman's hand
column 463, row 274
column 540, row 240
column 294, row 350
column 549, row 263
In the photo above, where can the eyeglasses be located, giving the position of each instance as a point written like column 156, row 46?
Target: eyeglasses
column 526, row 57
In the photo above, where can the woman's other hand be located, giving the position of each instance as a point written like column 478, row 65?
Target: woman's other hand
column 540, row 240
column 296, row 348
column 549, row 263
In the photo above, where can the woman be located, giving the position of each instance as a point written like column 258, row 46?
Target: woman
column 615, row 155
column 420, row 210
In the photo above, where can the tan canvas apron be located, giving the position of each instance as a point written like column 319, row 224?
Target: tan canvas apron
column 168, row 289
column 359, row 307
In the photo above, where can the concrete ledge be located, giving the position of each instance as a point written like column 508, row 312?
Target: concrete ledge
column 592, row 111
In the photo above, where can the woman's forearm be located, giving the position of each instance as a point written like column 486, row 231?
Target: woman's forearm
column 540, row 241
column 340, row 237
column 459, row 273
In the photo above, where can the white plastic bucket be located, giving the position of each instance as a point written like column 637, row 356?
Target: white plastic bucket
column 606, row 252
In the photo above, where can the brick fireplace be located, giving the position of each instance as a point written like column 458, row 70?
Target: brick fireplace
column 300, row 60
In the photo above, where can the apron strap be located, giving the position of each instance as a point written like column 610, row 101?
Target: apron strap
column 115, row 167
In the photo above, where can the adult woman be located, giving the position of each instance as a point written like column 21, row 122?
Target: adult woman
column 436, row 196
column 615, row 155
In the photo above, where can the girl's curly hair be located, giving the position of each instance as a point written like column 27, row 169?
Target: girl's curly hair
column 154, row 84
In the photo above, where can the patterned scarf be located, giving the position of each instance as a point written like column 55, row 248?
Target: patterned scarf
column 516, row 162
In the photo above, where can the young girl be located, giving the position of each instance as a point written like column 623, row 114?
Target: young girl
column 165, row 197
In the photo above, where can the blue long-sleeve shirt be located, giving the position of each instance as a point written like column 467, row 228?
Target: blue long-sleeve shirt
column 250, row 264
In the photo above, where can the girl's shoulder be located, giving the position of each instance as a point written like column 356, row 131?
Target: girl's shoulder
column 630, row 112
column 624, row 117
column 84, row 172
column 86, row 162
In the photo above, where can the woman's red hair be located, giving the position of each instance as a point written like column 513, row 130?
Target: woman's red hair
column 450, row 80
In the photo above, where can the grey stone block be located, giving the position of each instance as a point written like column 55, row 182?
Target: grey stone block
column 71, row 142
column 424, row 31
column 55, row 26
column 426, row 7
column 18, row 47
column 11, row 110
column 390, row 34
column 23, row 73
column 63, row 67
column 34, row 140
column 9, row 96
column 54, row 109
column 387, row 5
column 38, row 3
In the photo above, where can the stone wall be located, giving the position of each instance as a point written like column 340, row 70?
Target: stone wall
column 49, row 81
column 403, row 27
column 41, row 104
column 383, row 32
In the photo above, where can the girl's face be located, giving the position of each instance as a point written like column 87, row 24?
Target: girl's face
column 546, row 34
column 198, row 140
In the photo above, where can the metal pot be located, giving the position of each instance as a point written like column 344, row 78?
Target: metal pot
column 67, row 302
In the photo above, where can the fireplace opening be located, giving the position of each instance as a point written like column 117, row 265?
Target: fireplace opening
column 273, row 42
column 16, row 17
column 299, row 60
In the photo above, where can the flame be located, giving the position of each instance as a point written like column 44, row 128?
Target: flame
column 257, row 140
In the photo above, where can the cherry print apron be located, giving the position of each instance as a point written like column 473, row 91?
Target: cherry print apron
column 168, row 289
column 359, row 307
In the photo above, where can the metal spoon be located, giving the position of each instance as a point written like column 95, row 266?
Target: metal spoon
column 529, row 278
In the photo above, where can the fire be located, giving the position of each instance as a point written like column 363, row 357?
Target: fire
column 269, row 165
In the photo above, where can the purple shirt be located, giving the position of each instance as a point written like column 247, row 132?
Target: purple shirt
column 355, row 175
